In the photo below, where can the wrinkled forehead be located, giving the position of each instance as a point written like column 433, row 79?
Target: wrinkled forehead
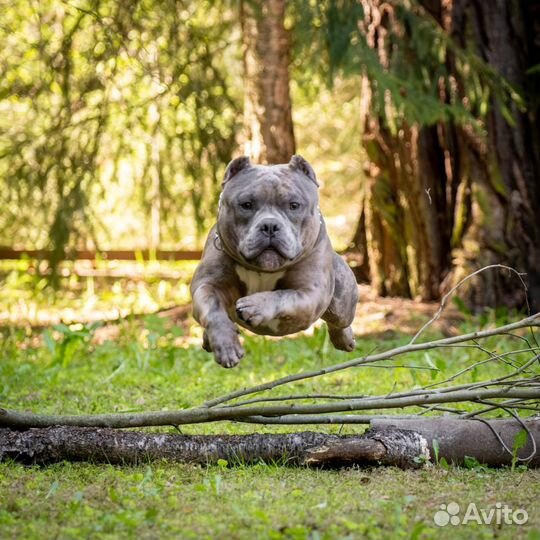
column 271, row 183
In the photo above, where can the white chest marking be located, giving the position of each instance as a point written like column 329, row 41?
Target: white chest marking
column 258, row 281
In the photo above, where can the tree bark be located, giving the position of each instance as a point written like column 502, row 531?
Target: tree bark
column 458, row 439
column 406, row 210
column 399, row 442
column 267, row 104
column 53, row 444
column 443, row 201
column 505, row 169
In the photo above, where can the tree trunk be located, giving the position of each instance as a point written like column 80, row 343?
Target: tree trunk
column 357, row 255
column 505, row 202
column 267, row 104
column 406, row 213
column 443, row 202
column 406, row 208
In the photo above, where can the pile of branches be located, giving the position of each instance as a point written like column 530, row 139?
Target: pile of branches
column 409, row 439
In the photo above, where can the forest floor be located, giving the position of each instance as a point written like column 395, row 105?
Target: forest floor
column 148, row 363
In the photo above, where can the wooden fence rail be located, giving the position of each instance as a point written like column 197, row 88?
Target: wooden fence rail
column 118, row 255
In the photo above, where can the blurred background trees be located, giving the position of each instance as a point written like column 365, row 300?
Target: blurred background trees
column 113, row 113
column 420, row 117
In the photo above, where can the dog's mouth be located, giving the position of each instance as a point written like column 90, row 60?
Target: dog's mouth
column 269, row 259
column 268, row 254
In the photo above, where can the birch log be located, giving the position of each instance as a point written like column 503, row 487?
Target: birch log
column 403, row 442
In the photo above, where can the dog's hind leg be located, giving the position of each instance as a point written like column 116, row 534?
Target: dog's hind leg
column 340, row 313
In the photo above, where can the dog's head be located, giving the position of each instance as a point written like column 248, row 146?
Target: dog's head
column 268, row 214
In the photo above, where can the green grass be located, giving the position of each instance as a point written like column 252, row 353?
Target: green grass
column 151, row 366
column 163, row 500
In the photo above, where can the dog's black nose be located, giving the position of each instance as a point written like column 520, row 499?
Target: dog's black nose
column 269, row 227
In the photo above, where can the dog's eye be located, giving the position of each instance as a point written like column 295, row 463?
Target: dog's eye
column 248, row 205
column 294, row 205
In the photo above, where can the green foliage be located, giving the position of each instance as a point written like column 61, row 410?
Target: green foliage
column 25, row 296
column 409, row 60
column 151, row 365
column 127, row 102
column 71, row 342
column 116, row 114
column 170, row 500
column 472, row 463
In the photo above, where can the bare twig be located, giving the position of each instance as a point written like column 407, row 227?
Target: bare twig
column 485, row 361
column 206, row 414
column 457, row 286
column 533, row 320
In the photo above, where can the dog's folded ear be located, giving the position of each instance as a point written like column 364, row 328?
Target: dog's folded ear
column 298, row 163
column 235, row 166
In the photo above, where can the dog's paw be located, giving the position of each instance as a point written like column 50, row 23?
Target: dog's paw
column 342, row 338
column 228, row 353
column 255, row 309
column 206, row 342
column 225, row 345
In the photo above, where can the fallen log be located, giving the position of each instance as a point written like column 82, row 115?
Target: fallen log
column 47, row 445
column 403, row 442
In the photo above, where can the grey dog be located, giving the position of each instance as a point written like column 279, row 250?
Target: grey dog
column 268, row 264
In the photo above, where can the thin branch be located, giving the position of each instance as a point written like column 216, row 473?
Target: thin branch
column 205, row 414
column 533, row 320
column 430, row 408
column 481, row 362
column 491, row 406
column 503, row 444
column 300, row 419
column 294, row 397
column 417, row 393
column 457, row 286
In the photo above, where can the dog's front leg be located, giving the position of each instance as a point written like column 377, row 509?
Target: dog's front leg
column 220, row 333
column 302, row 306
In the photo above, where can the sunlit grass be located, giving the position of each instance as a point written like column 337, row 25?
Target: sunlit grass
column 152, row 364
column 90, row 291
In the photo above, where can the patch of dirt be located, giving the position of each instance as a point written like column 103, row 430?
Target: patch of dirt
column 377, row 314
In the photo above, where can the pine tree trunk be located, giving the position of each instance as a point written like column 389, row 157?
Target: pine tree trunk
column 441, row 201
column 505, row 199
column 267, row 104
column 407, row 214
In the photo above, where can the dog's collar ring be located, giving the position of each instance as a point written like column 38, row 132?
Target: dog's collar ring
column 218, row 244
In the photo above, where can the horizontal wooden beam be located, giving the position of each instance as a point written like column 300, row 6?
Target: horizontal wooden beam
column 110, row 255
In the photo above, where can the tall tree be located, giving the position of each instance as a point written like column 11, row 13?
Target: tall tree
column 451, row 135
column 269, row 136
column 505, row 205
